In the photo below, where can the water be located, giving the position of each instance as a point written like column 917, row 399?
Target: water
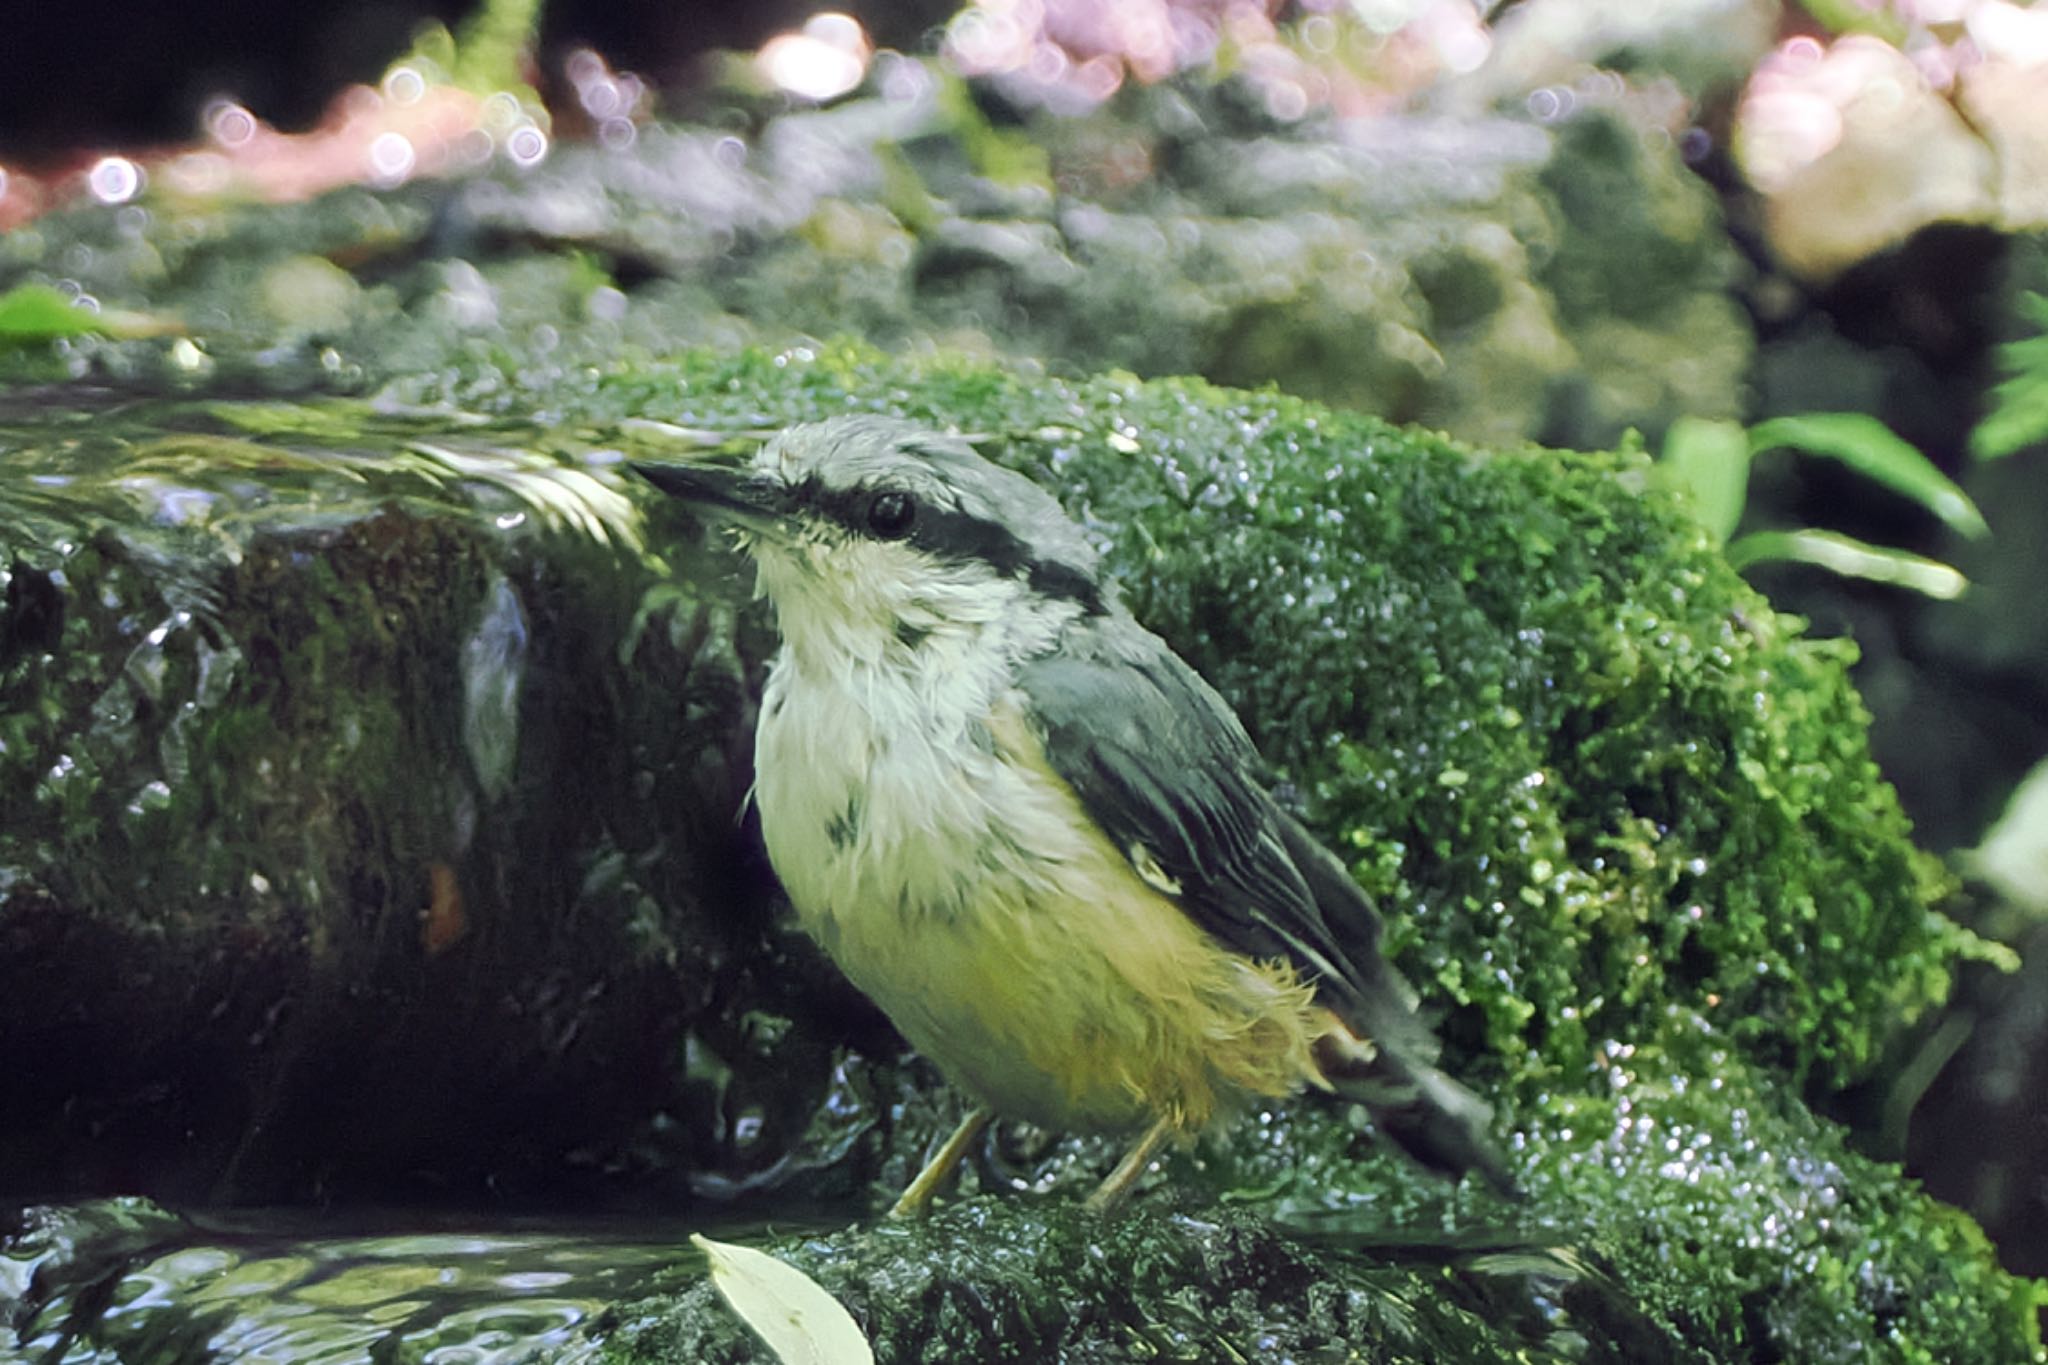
column 121, row 1282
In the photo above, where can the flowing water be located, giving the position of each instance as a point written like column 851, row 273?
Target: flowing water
column 124, row 1282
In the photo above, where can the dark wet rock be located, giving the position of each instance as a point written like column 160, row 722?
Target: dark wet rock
column 370, row 810
column 1977, row 1134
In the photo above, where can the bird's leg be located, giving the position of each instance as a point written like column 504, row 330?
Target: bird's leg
column 1118, row 1183
column 917, row 1196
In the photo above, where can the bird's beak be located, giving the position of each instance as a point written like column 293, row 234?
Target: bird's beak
column 729, row 492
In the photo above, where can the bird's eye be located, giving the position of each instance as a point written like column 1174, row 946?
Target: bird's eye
column 890, row 515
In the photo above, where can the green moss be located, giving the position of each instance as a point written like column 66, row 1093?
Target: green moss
column 1622, row 815
column 1590, row 772
column 997, row 1279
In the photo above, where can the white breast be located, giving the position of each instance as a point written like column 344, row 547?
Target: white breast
column 881, row 795
column 956, row 880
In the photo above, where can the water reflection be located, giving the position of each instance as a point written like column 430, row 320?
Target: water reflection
column 93, row 1292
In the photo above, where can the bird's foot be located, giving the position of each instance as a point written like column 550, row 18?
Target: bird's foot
column 916, row 1200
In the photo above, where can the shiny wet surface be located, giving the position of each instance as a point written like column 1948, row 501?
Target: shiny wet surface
column 121, row 1281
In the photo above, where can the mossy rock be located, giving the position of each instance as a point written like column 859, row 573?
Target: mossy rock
column 334, row 849
column 1592, row 774
column 1621, row 815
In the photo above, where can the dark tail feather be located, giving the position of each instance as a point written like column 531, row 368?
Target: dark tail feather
column 1385, row 1058
column 1425, row 1113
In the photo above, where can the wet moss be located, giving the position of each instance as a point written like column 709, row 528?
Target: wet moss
column 993, row 1279
column 1588, row 769
column 1621, row 814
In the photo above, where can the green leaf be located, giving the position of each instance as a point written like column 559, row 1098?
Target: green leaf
column 2020, row 419
column 2014, row 854
column 31, row 313
column 36, row 312
column 1870, row 447
column 2019, row 405
column 1006, row 156
column 1851, row 558
column 1710, row 461
column 802, row 1324
column 1852, row 16
column 494, row 44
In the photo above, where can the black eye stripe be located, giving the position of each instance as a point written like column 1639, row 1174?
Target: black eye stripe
column 952, row 534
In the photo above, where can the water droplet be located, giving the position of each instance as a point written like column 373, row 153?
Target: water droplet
column 493, row 668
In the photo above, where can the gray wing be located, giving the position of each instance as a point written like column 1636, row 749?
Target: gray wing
column 1161, row 763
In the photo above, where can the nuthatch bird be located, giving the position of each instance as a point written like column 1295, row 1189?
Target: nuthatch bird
column 1031, row 833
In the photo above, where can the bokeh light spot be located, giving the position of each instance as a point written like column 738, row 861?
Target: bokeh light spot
column 527, row 146
column 229, row 124
column 392, row 158
column 826, row 58
column 114, row 180
column 404, row 85
column 501, row 112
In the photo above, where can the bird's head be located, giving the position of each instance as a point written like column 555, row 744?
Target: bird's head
column 870, row 529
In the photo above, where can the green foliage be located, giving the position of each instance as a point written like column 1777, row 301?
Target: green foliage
column 1851, row 558
column 1869, row 447
column 1005, row 156
column 31, row 314
column 36, row 312
column 1851, row 16
column 489, row 53
column 493, row 45
column 1709, row 462
column 2019, row 408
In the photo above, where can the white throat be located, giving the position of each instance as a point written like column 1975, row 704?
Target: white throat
column 873, row 736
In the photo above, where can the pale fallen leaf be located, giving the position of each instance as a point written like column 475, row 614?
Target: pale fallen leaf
column 801, row 1323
